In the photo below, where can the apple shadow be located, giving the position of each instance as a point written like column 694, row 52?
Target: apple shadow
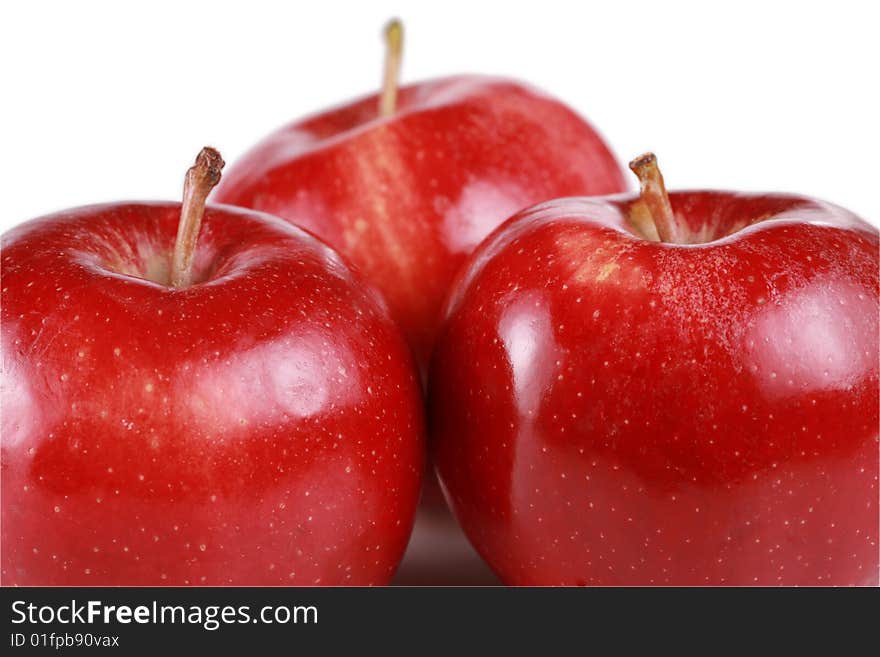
column 439, row 554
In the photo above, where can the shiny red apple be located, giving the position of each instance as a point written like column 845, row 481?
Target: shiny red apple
column 611, row 408
column 405, row 184
column 242, row 413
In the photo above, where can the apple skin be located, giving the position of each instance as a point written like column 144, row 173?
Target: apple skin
column 406, row 198
column 261, row 427
column 610, row 410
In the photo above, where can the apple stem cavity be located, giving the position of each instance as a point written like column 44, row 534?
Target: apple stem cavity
column 200, row 179
column 654, row 198
column 393, row 35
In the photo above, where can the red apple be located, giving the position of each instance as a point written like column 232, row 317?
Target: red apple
column 406, row 184
column 247, row 416
column 610, row 408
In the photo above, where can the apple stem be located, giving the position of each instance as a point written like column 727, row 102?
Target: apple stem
column 200, row 180
column 393, row 34
column 655, row 199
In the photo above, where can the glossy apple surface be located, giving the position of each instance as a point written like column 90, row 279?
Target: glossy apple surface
column 608, row 409
column 407, row 197
column 260, row 427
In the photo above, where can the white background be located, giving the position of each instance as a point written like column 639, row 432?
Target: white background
column 105, row 101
